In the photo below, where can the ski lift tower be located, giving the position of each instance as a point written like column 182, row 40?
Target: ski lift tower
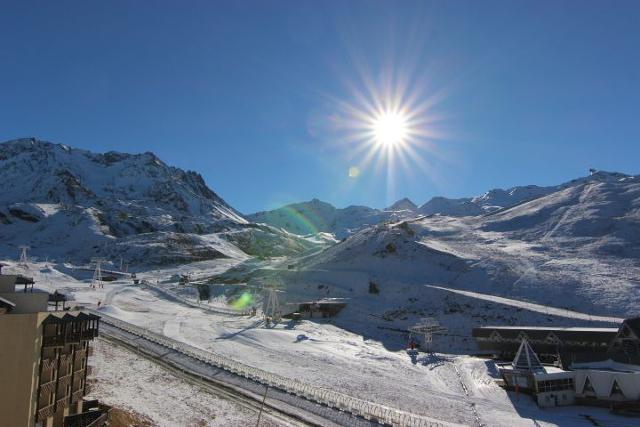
column 427, row 327
column 24, row 259
column 97, row 274
column 272, row 311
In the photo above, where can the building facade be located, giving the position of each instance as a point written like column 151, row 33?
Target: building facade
column 43, row 361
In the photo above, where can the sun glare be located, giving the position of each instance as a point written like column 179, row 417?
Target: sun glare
column 390, row 129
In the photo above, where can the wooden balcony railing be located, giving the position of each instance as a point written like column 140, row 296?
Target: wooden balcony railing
column 47, row 387
column 48, row 363
column 77, row 396
column 46, row 412
column 53, row 341
column 62, row 403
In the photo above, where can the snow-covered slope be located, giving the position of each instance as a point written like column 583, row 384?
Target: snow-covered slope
column 577, row 247
column 317, row 216
column 72, row 203
column 490, row 201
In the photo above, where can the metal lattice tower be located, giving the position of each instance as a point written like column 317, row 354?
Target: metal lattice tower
column 272, row 310
column 97, row 274
column 24, row 259
column 427, row 327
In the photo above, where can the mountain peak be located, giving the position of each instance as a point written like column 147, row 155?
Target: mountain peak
column 404, row 204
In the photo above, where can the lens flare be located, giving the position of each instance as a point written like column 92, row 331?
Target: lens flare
column 243, row 301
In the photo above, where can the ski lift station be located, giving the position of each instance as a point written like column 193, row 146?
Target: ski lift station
column 608, row 375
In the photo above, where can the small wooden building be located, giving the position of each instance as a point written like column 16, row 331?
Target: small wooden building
column 327, row 307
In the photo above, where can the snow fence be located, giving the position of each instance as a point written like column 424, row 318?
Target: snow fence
column 333, row 399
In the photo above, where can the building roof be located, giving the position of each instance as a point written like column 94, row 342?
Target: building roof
column 606, row 365
column 526, row 359
column 536, row 334
column 7, row 303
column 24, row 280
column 633, row 324
column 547, row 328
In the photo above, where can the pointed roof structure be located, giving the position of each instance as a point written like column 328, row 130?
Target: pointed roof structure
column 526, row 359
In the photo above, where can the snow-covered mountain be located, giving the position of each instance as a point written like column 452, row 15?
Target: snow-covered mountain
column 76, row 204
column 403, row 205
column 316, row 216
column 490, row 201
column 576, row 247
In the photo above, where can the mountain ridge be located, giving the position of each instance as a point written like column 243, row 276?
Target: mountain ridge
column 79, row 204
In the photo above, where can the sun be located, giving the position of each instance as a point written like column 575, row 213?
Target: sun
column 390, row 129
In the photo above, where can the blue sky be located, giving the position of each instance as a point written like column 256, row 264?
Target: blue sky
column 244, row 92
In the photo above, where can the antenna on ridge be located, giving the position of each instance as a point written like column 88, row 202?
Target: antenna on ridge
column 24, row 259
column 96, row 281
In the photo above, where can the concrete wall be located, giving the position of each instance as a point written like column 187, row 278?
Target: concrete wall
column 21, row 336
column 27, row 302
column 7, row 283
column 550, row 399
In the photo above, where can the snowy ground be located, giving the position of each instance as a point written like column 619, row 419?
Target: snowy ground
column 457, row 388
column 127, row 381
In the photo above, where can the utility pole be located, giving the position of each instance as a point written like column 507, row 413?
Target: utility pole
column 262, row 406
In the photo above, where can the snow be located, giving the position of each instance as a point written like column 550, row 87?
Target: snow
column 370, row 363
column 70, row 204
column 127, row 381
column 561, row 256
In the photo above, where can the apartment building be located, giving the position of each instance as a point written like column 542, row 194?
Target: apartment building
column 43, row 360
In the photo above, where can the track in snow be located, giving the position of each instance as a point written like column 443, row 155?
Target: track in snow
column 561, row 312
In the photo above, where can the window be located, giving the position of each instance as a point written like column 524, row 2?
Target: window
column 555, row 385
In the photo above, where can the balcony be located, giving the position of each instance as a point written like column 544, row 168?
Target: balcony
column 89, row 334
column 46, row 412
column 63, row 381
column 76, row 396
column 62, row 403
column 47, row 387
column 53, row 341
column 48, row 363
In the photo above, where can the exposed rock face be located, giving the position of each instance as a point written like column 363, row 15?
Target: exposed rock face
column 88, row 203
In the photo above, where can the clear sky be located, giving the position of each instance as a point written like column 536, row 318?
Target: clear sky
column 248, row 93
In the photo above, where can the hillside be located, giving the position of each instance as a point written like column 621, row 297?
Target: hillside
column 316, row 216
column 74, row 204
column 577, row 247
